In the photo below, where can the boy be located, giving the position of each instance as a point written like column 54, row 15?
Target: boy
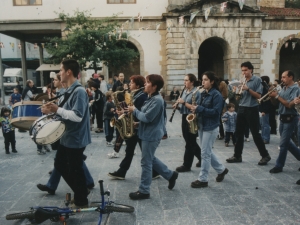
column 109, row 109
column 15, row 97
column 229, row 119
column 8, row 130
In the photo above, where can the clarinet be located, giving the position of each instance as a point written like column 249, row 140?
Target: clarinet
column 174, row 110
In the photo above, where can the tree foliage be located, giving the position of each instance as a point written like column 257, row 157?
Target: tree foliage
column 292, row 4
column 91, row 40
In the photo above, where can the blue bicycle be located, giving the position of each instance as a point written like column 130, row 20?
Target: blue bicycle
column 39, row 214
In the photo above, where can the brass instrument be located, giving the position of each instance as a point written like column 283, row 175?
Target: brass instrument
column 266, row 97
column 125, row 122
column 192, row 117
column 238, row 96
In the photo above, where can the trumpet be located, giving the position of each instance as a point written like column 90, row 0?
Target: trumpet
column 238, row 95
column 266, row 97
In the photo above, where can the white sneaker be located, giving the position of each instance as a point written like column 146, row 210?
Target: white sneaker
column 113, row 155
column 113, row 141
column 124, row 143
column 109, row 144
column 247, row 139
column 278, row 147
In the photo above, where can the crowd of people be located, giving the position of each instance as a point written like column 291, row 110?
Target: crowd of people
column 206, row 108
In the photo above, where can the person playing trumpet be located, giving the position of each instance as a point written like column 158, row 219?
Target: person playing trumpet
column 192, row 148
column 288, row 118
column 248, row 115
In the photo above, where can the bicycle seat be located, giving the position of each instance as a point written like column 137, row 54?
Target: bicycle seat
column 42, row 215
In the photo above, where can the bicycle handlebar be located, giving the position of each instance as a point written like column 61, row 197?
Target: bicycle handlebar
column 101, row 187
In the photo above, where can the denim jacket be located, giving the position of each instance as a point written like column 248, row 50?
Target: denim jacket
column 209, row 109
column 151, row 118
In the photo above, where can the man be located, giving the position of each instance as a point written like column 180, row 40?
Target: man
column 119, row 82
column 103, row 84
column 248, row 115
column 75, row 114
column 288, row 118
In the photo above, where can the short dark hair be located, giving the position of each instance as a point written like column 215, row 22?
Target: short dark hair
column 4, row 110
column 290, row 74
column 108, row 94
column 156, row 80
column 193, row 79
column 71, row 64
column 28, row 82
column 266, row 79
column 230, row 105
column 248, row 65
column 138, row 80
column 102, row 76
column 93, row 84
column 212, row 77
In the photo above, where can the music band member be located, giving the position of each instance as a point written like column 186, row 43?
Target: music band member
column 136, row 83
column 248, row 115
column 75, row 115
column 209, row 109
column 288, row 118
column 192, row 148
column 151, row 117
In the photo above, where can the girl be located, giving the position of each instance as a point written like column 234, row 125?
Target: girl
column 8, row 130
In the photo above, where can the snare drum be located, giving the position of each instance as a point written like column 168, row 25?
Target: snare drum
column 47, row 130
column 25, row 113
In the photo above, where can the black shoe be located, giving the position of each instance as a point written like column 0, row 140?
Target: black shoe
column 138, row 195
column 45, row 188
column 264, row 160
column 198, row 164
column 276, row 170
column 116, row 175
column 221, row 138
column 266, row 142
column 221, row 176
column 199, row 184
column 7, row 152
column 99, row 131
column 14, row 151
column 234, row 159
column 90, row 186
column 298, row 182
column 182, row 169
column 172, row 180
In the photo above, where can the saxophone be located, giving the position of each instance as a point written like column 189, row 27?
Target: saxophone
column 125, row 122
column 192, row 117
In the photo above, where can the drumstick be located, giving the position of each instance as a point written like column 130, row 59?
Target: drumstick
column 47, row 103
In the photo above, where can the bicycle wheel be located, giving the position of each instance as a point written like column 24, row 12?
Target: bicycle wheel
column 120, row 208
column 21, row 215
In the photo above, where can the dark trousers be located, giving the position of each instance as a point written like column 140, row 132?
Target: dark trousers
column 99, row 117
column 9, row 138
column 68, row 162
column 130, row 147
column 227, row 137
column 248, row 116
column 192, row 148
column 109, row 131
column 221, row 128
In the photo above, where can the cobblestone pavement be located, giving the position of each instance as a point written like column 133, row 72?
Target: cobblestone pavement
column 249, row 194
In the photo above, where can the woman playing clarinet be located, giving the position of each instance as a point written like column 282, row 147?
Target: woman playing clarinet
column 191, row 147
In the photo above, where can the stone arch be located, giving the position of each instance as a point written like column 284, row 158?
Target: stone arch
column 280, row 45
column 141, row 51
column 216, row 59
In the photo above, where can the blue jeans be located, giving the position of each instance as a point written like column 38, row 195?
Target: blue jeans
column 208, row 157
column 286, row 144
column 164, row 127
column 265, row 127
column 148, row 162
column 55, row 178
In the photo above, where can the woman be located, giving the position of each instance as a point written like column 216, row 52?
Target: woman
column 209, row 110
column 151, row 117
column 191, row 146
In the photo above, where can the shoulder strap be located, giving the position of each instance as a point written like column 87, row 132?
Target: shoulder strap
column 67, row 96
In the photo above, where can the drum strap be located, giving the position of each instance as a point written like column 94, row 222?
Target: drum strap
column 67, row 96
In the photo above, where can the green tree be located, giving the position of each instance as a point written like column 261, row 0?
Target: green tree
column 292, row 4
column 91, row 40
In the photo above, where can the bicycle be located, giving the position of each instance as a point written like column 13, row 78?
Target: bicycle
column 39, row 214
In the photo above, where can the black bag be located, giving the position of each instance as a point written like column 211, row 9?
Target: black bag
column 286, row 118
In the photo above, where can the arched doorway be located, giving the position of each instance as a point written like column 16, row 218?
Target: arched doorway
column 131, row 69
column 290, row 57
column 211, row 56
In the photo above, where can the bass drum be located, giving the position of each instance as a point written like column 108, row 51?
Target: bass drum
column 25, row 113
column 41, row 97
column 47, row 130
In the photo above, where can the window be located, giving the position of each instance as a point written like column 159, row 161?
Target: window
column 121, row 1
column 27, row 2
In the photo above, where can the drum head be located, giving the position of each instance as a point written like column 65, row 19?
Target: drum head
column 50, row 133
column 41, row 97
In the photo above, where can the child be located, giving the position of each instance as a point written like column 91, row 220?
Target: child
column 229, row 119
column 8, row 130
column 15, row 97
column 109, row 109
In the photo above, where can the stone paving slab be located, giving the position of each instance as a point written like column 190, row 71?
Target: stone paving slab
column 249, row 194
